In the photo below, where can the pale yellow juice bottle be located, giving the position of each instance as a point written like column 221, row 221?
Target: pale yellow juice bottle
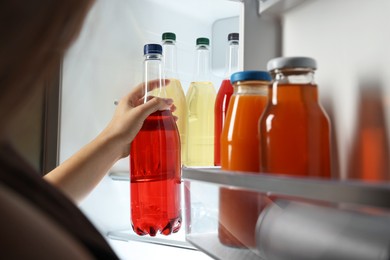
column 175, row 91
column 200, row 100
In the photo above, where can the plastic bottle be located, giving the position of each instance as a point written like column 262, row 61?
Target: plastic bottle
column 223, row 96
column 200, row 100
column 239, row 209
column 294, row 129
column 155, row 162
column 175, row 91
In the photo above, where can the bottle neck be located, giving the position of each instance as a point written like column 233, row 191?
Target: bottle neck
column 251, row 87
column 293, row 85
column 153, row 71
column 170, row 60
column 153, row 57
column 294, row 76
column 202, row 66
column 232, row 58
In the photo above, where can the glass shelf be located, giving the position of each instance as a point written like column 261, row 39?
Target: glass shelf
column 355, row 192
column 119, row 175
column 209, row 244
column 357, row 201
column 345, row 209
column 172, row 240
column 277, row 7
column 177, row 240
column 338, row 191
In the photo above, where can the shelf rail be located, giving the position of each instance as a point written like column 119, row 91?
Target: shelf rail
column 338, row 191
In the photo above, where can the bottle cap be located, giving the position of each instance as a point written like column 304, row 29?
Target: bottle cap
column 202, row 41
column 291, row 62
column 152, row 48
column 233, row 37
column 250, row 75
column 169, row 36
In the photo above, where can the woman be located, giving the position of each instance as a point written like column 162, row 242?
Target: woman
column 34, row 213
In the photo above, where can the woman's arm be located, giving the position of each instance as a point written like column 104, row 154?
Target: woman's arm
column 78, row 175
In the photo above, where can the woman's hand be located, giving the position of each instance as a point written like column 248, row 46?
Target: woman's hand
column 80, row 174
column 131, row 113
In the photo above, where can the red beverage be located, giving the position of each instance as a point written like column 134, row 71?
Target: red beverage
column 155, row 176
column 220, row 110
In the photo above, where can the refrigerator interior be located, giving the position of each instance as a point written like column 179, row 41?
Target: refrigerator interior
column 105, row 63
column 348, row 39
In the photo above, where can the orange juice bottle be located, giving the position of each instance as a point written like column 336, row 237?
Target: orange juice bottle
column 238, row 209
column 294, row 129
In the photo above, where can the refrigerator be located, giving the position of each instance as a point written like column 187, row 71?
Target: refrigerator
column 349, row 40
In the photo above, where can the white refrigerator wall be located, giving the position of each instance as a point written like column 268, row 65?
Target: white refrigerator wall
column 350, row 40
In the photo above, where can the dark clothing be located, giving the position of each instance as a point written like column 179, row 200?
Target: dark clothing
column 18, row 175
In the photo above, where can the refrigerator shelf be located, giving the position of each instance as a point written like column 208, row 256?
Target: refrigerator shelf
column 347, row 210
column 358, row 202
column 209, row 244
column 337, row 191
column 277, row 7
column 126, row 235
column 119, row 175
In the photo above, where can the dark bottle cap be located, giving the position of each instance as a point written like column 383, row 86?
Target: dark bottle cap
column 152, row 48
column 169, row 36
column 233, row 37
column 250, row 75
column 291, row 62
column 202, row 41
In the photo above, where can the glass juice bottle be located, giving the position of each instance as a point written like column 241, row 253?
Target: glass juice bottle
column 294, row 129
column 155, row 174
column 200, row 100
column 239, row 209
column 223, row 96
column 175, row 91
column 369, row 157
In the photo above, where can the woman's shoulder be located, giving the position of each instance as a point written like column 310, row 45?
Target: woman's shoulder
column 27, row 233
column 23, row 184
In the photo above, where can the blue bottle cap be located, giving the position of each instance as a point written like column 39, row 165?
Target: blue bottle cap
column 250, row 75
column 152, row 48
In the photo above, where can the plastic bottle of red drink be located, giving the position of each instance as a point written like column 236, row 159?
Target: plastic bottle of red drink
column 155, row 164
column 223, row 96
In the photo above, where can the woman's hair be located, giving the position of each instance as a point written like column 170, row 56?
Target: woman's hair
column 33, row 37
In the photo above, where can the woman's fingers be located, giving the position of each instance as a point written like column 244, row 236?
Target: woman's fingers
column 139, row 91
column 154, row 105
column 173, row 108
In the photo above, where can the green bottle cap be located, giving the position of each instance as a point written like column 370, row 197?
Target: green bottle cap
column 203, row 41
column 169, row 36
